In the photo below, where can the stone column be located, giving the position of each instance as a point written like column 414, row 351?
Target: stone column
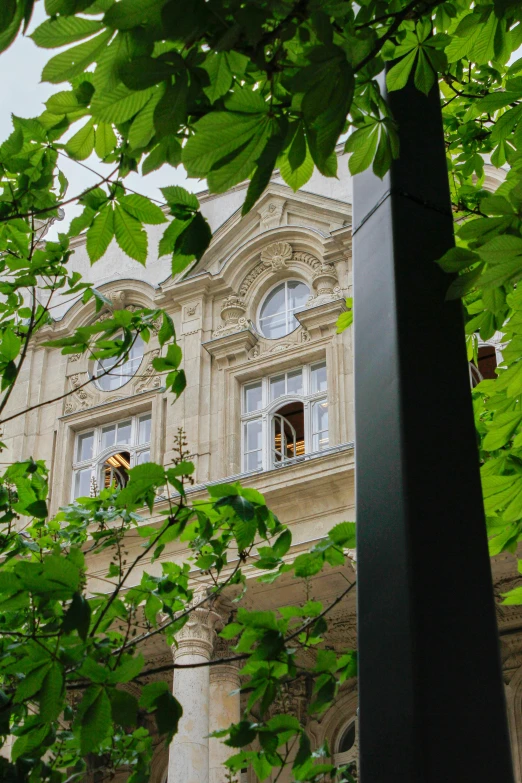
column 188, row 754
column 224, row 710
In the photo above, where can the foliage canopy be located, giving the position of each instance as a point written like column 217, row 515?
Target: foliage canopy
column 231, row 91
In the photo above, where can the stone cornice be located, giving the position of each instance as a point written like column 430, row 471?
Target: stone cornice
column 321, row 319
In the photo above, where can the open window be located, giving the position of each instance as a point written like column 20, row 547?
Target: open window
column 485, row 369
column 104, row 455
column 285, row 417
column 288, row 432
column 116, row 470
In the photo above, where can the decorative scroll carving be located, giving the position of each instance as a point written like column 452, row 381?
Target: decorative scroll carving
column 81, row 399
column 148, row 378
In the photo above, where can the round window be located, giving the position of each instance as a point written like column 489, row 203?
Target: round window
column 117, row 375
column 277, row 318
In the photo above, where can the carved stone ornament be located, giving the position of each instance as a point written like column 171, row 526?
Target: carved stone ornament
column 233, row 316
column 117, row 299
column 277, row 255
column 147, row 377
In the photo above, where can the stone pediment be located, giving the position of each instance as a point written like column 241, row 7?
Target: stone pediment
column 278, row 208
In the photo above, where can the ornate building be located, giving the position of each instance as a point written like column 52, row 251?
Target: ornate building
column 269, row 400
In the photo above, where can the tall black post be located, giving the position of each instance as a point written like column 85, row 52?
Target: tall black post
column 431, row 700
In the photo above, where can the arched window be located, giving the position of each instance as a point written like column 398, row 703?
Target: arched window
column 118, row 376
column 285, row 417
column 486, row 365
column 104, row 455
column 276, row 318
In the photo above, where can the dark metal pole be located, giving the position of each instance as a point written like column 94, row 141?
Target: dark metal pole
column 431, row 699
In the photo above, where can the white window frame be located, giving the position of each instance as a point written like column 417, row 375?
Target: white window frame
column 265, row 414
column 287, row 319
column 99, row 456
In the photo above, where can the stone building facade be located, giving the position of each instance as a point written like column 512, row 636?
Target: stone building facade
column 269, row 400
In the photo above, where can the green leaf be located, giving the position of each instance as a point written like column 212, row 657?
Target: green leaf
column 343, row 534
column 143, row 72
column 457, row 258
column 512, row 597
column 167, row 330
column 218, row 69
column 168, row 151
column 81, row 145
column 171, row 110
column 195, row 238
column 66, row 65
column 142, row 128
column 120, row 104
column 100, row 234
column 241, row 734
column 130, row 236
column 7, row 14
column 105, row 140
column 397, row 77
column 78, row 616
column 362, row 144
column 64, row 30
column 124, row 708
column 176, row 195
column 501, row 430
column 131, row 13
column 282, row 545
column 142, row 209
column 169, row 362
column 344, row 321
column 51, row 692
column 168, row 713
column 128, row 669
column 294, row 171
column 95, row 719
column 151, row 692
column 217, row 135
column 32, row 681
column 424, row 74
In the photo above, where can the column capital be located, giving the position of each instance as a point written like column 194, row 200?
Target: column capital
column 198, row 634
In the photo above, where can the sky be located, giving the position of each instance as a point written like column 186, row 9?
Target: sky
column 22, row 93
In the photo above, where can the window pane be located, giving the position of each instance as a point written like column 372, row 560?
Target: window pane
column 294, row 382
column 143, row 456
column 275, row 302
column 320, row 426
column 253, row 397
column 108, row 437
column 319, row 378
column 253, row 460
column 82, row 484
column 253, row 435
column 298, row 294
column 277, row 387
column 144, row 430
column 274, row 327
column 85, row 446
column 124, row 432
column 320, row 416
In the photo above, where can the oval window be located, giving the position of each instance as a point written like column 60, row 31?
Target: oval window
column 277, row 318
column 117, row 375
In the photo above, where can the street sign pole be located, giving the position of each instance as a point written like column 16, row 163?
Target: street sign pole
column 431, row 699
